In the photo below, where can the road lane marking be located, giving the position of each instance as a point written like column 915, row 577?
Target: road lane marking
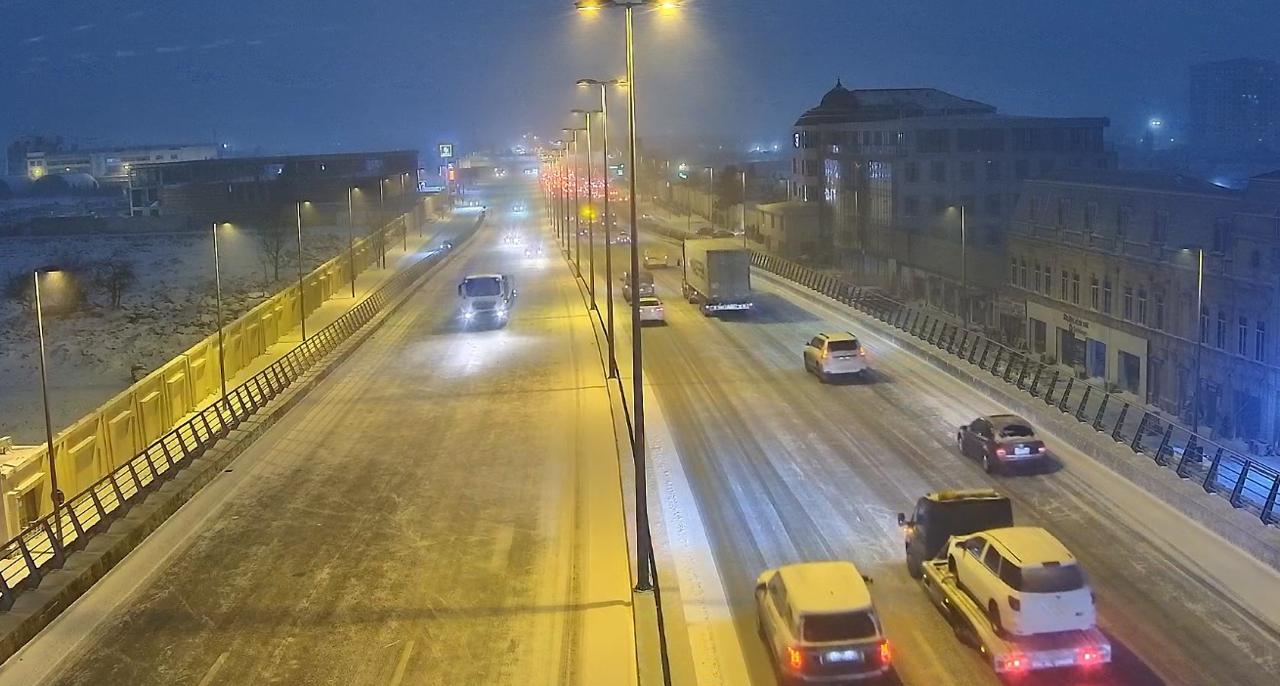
column 402, row 664
column 212, row 674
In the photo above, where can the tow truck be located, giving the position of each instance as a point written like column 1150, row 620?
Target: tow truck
column 959, row 513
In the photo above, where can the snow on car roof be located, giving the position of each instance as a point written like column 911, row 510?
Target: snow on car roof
column 483, row 276
column 650, row 300
column 839, row 336
column 1031, row 545
column 825, row 587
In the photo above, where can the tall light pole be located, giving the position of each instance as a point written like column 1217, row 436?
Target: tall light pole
column 744, row 207
column 591, row 211
column 711, row 186
column 217, row 281
column 55, row 493
column 382, row 223
column 644, row 562
column 351, row 240
column 577, row 210
column 608, row 250
column 964, row 269
column 302, row 294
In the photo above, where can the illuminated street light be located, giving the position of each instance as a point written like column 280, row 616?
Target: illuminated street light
column 217, row 280
column 608, row 252
column 54, row 493
column 644, row 561
column 351, row 239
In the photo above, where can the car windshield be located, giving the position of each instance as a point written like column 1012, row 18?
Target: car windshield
column 650, row 302
column 1016, row 431
column 1051, row 578
column 843, row 626
column 843, row 346
column 482, row 287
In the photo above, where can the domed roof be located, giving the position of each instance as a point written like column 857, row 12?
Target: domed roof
column 839, row 98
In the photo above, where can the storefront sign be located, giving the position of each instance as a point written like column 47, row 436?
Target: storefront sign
column 1077, row 326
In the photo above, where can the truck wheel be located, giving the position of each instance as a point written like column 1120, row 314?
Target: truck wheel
column 914, row 568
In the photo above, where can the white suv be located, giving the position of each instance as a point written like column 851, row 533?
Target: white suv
column 1025, row 579
column 819, row 624
column 829, row 354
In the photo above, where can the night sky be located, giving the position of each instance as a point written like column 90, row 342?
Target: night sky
column 317, row 75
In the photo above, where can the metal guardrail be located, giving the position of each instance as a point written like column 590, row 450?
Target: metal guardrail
column 1243, row 481
column 44, row 545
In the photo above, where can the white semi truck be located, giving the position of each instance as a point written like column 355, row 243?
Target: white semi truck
column 717, row 275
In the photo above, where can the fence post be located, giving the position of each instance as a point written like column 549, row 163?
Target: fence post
column 1053, row 383
column 1210, row 484
column 1102, row 409
column 1035, row 383
column 1268, row 510
column 1115, row 430
column 986, row 348
column 1066, row 393
column 1187, row 452
column 1236, row 493
column 1084, row 402
column 1164, row 445
column 929, row 338
column 1022, row 372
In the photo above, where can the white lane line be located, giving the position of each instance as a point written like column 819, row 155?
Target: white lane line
column 212, row 674
column 402, row 665
column 717, row 655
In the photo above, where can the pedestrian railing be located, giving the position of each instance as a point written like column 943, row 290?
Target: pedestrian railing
column 1243, row 481
column 45, row 544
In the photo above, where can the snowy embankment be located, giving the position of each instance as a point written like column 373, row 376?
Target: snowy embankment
column 93, row 353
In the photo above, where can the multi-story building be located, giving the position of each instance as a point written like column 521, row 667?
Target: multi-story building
column 111, row 165
column 910, row 179
column 239, row 188
column 1235, row 106
column 1108, row 267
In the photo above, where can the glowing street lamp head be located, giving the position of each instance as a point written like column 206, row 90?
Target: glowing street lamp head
column 588, row 5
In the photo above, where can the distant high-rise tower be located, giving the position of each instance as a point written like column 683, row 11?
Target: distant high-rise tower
column 1235, row 105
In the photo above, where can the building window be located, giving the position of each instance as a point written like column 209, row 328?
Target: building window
column 1022, row 169
column 1242, row 346
column 1063, row 290
column 1046, row 166
column 911, row 206
column 966, row 171
column 1160, row 226
column 1255, row 259
column 1142, row 306
column 1127, row 305
column 993, row 170
column 1035, row 277
column 938, row 171
column 1064, row 212
column 1090, row 216
column 1075, row 288
column 1221, row 236
column 1106, row 296
column 1022, row 272
column 1204, row 325
column 1048, row 280
column 1159, row 310
column 1013, row 271
column 1093, row 292
column 913, row 172
column 1260, row 341
column 1124, row 218
column 1222, row 330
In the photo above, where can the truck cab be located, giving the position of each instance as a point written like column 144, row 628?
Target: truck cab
column 940, row 515
column 486, row 297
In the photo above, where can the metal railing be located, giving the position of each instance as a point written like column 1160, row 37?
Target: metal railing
column 44, row 545
column 1243, row 481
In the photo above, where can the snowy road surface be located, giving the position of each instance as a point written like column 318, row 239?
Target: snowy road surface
column 427, row 515
column 783, row 468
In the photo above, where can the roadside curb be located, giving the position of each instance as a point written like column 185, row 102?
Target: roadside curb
column 37, row 608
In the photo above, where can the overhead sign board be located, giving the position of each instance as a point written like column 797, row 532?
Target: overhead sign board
column 445, row 151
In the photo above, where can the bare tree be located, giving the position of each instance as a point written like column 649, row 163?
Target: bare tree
column 18, row 289
column 114, row 275
column 273, row 243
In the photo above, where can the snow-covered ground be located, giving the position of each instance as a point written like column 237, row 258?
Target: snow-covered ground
column 170, row 307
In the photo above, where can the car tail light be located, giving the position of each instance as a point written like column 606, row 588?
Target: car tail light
column 1043, row 448
column 1088, row 656
column 1015, row 604
column 795, row 658
column 1000, row 452
column 1013, row 663
column 886, row 654
column 826, row 354
column 862, row 352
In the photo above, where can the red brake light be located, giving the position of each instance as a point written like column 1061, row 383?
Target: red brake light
column 1088, row 656
column 1013, row 663
column 886, row 655
column 795, row 658
column 1000, row 452
column 1015, row 604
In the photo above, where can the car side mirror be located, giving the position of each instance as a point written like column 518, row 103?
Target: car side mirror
column 902, row 519
column 760, row 587
column 963, row 428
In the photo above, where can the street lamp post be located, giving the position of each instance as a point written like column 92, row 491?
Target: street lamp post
column 577, row 210
column 54, row 492
column 1201, row 327
column 217, row 280
column 711, row 187
column 591, row 211
column 351, row 240
column 608, row 250
column 382, row 224
column 744, row 208
column 644, row 562
column 302, row 294
column 964, row 270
